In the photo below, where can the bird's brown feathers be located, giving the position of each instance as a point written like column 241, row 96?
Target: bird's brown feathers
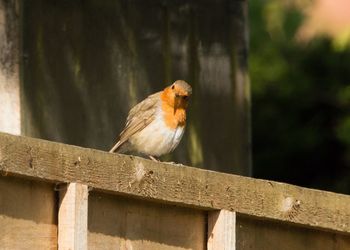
column 139, row 117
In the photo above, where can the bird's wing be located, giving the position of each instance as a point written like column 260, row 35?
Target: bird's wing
column 139, row 117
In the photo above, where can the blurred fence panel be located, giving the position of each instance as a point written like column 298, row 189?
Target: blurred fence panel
column 86, row 63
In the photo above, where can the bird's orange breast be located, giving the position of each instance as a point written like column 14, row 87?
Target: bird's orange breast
column 174, row 120
column 173, row 117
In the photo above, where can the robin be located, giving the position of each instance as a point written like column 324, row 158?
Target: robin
column 155, row 126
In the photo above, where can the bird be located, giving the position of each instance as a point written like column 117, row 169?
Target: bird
column 155, row 126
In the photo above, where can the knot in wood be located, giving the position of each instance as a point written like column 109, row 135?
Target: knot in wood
column 139, row 172
column 290, row 206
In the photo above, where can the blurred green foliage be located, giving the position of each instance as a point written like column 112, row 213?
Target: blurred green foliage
column 301, row 102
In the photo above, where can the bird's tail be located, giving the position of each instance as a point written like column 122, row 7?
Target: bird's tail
column 115, row 147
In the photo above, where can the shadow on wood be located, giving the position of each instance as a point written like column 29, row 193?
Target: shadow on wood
column 28, row 214
column 267, row 235
column 122, row 223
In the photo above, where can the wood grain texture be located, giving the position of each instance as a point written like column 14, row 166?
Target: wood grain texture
column 266, row 235
column 221, row 230
column 121, row 223
column 27, row 215
column 173, row 184
column 72, row 217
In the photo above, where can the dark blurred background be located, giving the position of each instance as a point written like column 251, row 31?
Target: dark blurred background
column 300, row 75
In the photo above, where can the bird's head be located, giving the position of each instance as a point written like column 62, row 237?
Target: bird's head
column 177, row 94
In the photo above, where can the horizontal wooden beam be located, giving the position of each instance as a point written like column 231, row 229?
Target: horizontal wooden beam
column 173, row 184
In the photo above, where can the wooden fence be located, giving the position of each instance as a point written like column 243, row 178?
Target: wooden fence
column 54, row 195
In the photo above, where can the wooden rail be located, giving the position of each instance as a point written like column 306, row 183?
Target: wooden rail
column 163, row 183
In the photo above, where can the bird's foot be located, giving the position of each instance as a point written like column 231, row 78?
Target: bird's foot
column 153, row 158
column 173, row 163
column 166, row 162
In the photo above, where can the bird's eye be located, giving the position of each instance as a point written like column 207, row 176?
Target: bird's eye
column 185, row 97
column 172, row 87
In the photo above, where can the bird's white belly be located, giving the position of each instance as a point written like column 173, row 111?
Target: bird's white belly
column 157, row 139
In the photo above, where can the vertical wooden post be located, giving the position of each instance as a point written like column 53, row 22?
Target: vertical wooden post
column 221, row 230
column 72, row 217
column 10, row 112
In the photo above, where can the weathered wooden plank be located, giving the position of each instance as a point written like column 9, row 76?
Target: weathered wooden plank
column 10, row 108
column 252, row 234
column 175, row 184
column 72, row 217
column 119, row 223
column 221, row 230
column 27, row 215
